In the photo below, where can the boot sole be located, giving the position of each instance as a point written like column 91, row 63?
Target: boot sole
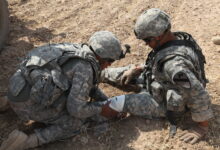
column 15, row 141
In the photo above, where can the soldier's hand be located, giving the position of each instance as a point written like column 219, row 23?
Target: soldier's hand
column 194, row 134
column 127, row 76
column 130, row 74
column 113, row 107
column 108, row 112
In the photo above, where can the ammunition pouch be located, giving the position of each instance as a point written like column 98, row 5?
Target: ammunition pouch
column 157, row 92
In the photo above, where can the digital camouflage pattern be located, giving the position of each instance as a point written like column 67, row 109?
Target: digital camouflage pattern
column 61, row 82
column 144, row 105
column 151, row 23
column 113, row 74
column 106, row 45
column 177, row 84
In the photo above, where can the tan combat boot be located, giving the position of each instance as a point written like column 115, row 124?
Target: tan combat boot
column 18, row 140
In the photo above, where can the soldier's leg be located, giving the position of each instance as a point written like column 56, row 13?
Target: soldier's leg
column 64, row 127
column 99, row 125
column 144, row 105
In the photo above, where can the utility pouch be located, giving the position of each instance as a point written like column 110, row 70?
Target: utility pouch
column 175, row 101
column 60, row 80
column 16, row 83
column 157, row 91
column 19, row 88
column 42, row 90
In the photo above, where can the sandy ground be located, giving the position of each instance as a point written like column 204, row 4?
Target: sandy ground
column 36, row 22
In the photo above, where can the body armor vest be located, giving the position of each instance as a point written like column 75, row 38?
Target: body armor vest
column 157, row 57
column 40, row 74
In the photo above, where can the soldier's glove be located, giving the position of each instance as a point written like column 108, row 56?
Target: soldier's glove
column 130, row 74
column 113, row 107
column 194, row 134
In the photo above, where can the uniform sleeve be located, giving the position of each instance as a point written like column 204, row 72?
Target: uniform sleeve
column 82, row 82
column 97, row 94
column 113, row 75
column 199, row 104
column 180, row 72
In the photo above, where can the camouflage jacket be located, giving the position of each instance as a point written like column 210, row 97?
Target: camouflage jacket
column 175, row 80
column 56, row 78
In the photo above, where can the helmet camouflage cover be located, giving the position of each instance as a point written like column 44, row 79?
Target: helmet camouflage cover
column 151, row 23
column 106, row 45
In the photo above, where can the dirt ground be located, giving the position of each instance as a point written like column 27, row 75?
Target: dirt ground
column 37, row 22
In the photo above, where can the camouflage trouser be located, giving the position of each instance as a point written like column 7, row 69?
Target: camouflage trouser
column 64, row 127
column 143, row 104
column 57, row 126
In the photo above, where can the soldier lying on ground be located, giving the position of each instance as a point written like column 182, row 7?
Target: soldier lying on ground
column 173, row 76
column 53, row 85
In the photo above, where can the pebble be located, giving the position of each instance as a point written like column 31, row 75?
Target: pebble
column 61, row 1
column 166, row 147
column 216, row 40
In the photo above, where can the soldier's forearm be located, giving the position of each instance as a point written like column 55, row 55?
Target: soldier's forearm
column 139, row 68
column 113, row 74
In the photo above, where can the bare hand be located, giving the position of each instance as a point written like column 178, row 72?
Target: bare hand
column 129, row 75
column 194, row 134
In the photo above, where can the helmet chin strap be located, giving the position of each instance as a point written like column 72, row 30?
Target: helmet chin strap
column 158, row 42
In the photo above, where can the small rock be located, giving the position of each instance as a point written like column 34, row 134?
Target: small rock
column 166, row 147
column 61, row 1
column 167, row 139
column 216, row 40
column 161, row 139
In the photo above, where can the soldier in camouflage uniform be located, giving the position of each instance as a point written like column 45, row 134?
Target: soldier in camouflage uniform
column 57, row 85
column 173, row 79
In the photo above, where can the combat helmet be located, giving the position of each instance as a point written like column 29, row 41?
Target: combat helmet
column 105, row 45
column 151, row 23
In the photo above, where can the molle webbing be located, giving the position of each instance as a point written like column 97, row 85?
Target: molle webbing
column 184, row 39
